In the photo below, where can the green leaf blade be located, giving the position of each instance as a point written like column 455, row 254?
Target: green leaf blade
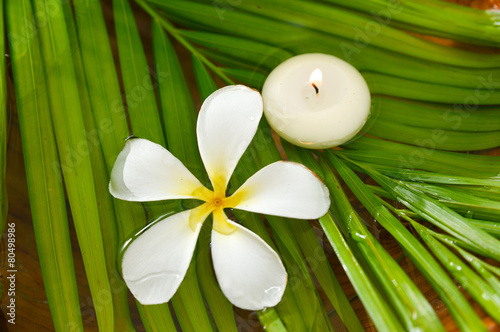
column 112, row 128
column 45, row 188
column 458, row 306
column 73, row 148
column 318, row 262
column 341, row 22
column 381, row 314
column 382, row 152
column 480, row 290
column 260, row 55
column 441, row 216
column 436, row 18
column 106, row 209
column 176, row 107
column 406, row 297
column 139, row 89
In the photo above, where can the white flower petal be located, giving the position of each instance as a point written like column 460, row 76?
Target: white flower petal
column 227, row 122
column 284, row 189
column 145, row 171
column 248, row 270
column 155, row 263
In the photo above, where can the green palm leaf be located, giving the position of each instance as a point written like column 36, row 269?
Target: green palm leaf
column 106, row 209
column 456, row 303
column 411, row 305
column 440, row 207
column 434, row 18
column 73, row 149
column 383, row 316
column 112, row 128
column 46, row 191
column 483, row 293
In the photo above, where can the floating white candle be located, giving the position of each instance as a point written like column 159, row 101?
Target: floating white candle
column 316, row 100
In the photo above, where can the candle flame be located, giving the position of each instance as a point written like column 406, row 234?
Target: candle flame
column 316, row 76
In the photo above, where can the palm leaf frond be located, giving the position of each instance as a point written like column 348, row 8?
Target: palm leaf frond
column 46, row 190
column 440, row 207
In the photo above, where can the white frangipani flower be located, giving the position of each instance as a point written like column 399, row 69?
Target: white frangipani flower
column 248, row 270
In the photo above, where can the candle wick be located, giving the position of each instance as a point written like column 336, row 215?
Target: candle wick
column 315, row 88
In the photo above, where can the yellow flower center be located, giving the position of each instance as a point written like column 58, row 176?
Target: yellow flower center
column 215, row 202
